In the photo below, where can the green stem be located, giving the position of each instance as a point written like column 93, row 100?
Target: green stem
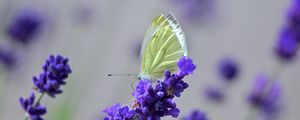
column 26, row 118
column 39, row 99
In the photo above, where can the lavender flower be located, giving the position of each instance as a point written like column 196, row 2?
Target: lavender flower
column 287, row 46
column 25, row 25
column 35, row 111
column 156, row 101
column 186, row 65
column 214, row 94
column 228, row 69
column 55, row 71
column 7, row 57
column 293, row 21
column 141, row 90
column 196, row 115
column 117, row 112
column 265, row 95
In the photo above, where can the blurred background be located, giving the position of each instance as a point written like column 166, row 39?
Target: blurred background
column 104, row 36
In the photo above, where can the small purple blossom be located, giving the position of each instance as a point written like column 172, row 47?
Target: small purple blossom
column 55, row 71
column 152, row 102
column 228, row 69
column 173, row 84
column 196, row 115
column 286, row 47
column 25, row 25
column 116, row 112
column 214, row 94
column 186, row 65
column 34, row 110
column 265, row 95
column 140, row 90
column 8, row 57
column 293, row 21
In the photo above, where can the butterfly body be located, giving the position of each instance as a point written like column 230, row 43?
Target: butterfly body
column 163, row 45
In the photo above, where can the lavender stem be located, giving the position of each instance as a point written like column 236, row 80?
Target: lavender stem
column 39, row 99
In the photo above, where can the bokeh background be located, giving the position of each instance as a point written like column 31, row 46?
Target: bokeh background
column 104, row 36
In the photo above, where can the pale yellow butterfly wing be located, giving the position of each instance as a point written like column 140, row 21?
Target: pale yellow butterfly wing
column 163, row 45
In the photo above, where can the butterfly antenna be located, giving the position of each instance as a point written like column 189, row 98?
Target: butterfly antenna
column 132, row 82
column 121, row 74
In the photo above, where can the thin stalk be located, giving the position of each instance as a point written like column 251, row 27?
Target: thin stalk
column 39, row 99
column 26, row 118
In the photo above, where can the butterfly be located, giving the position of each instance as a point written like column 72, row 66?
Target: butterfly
column 164, row 44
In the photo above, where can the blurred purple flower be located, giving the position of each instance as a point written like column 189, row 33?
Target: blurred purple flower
column 266, row 95
column 293, row 21
column 228, row 69
column 35, row 111
column 196, row 115
column 286, row 47
column 25, row 25
column 8, row 57
column 214, row 94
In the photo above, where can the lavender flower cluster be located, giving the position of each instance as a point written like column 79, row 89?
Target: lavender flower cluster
column 33, row 108
column 266, row 95
column 25, row 25
column 55, row 71
column 288, row 43
column 151, row 102
column 228, row 69
column 23, row 28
